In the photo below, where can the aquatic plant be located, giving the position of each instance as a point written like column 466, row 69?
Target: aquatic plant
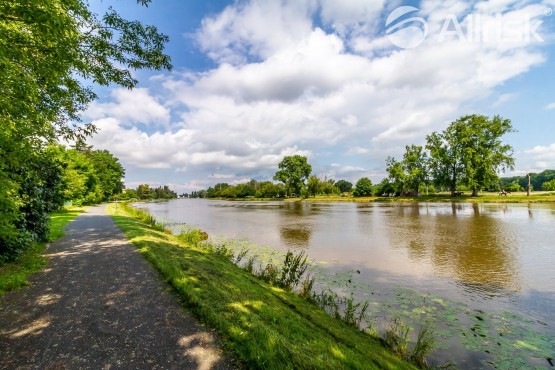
column 294, row 266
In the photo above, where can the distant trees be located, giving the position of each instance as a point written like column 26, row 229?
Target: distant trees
column 470, row 151
column 549, row 185
column 536, row 180
column 293, row 171
column 313, row 185
column 145, row 192
column 411, row 172
column 344, row 186
column 363, row 187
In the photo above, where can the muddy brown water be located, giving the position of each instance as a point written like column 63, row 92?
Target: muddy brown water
column 491, row 260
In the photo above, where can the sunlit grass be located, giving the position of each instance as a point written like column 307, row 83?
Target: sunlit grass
column 14, row 274
column 263, row 326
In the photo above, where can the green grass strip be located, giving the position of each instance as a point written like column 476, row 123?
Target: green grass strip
column 14, row 274
column 263, row 326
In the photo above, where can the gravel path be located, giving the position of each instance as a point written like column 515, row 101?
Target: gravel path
column 100, row 305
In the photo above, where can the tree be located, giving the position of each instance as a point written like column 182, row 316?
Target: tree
column 294, row 170
column 363, row 188
column 50, row 51
column 470, row 151
column 109, row 171
column 396, row 174
column 344, row 186
column 313, row 185
column 549, row 185
column 415, row 167
column 144, row 191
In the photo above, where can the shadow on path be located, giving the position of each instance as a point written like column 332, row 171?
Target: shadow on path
column 99, row 304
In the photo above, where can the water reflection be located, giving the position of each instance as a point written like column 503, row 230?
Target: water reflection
column 470, row 251
column 295, row 237
column 472, row 248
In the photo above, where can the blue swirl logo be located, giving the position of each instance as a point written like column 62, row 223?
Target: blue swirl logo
column 406, row 33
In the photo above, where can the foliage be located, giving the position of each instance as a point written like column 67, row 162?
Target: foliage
column 536, row 180
column 470, row 151
column 363, row 187
column 411, row 172
column 251, row 189
column 344, row 186
column 513, row 186
column 14, row 274
column 313, row 185
column 549, row 185
column 49, row 51
column 293, row 171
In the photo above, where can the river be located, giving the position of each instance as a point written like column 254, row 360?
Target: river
column 482, row 274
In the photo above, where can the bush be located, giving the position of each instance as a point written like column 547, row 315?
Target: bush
column 549, row 185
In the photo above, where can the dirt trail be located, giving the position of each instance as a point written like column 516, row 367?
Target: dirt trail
column 99, row 304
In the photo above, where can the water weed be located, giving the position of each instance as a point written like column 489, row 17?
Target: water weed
column 294, row 266
column 425, row 343
column 397, row 337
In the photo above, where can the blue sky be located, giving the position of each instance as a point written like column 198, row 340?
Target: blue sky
column 347, row 83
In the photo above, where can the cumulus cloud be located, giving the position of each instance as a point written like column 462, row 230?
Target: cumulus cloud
column 305, row 77
column 542, row 157
column 131, row 107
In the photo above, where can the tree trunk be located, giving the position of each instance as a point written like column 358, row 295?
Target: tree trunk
column 475, row 192
column 454, row 182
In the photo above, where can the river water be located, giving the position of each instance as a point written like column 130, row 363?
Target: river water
column 483, row 274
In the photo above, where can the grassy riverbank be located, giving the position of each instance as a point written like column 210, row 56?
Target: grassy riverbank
column 537, row 197
column 262, row 325
column 14, row 274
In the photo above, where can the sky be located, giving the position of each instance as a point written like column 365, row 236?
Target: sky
column 346, row 83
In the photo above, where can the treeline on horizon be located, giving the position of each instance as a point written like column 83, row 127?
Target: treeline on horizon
column 544, row 180
column 467, row 156
column 145, row 192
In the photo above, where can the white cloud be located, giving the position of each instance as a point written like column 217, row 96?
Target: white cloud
column 254, row 29
column 284, row 86
column 542, row 157
column 357, row 150
column 550, row 106
column 131, row 106
column 504, row 98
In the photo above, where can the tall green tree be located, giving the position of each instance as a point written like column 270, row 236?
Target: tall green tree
column 109, row 171
column 470, row 151
column 293, row 172
column 415, row 165
column 396, row 174
column 363, row 187
column 313, row 185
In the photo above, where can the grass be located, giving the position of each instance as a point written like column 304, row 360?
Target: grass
column 262, row 325
column 520, row 197
column 14, row 274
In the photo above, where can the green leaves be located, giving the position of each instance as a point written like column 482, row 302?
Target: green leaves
column 49, row 51
column 470, row 151
column 294, row 170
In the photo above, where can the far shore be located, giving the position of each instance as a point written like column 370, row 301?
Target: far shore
column 485, row 197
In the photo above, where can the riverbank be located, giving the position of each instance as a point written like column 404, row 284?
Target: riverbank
column 520, row 197
column 14, row 274
column 262, row 325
